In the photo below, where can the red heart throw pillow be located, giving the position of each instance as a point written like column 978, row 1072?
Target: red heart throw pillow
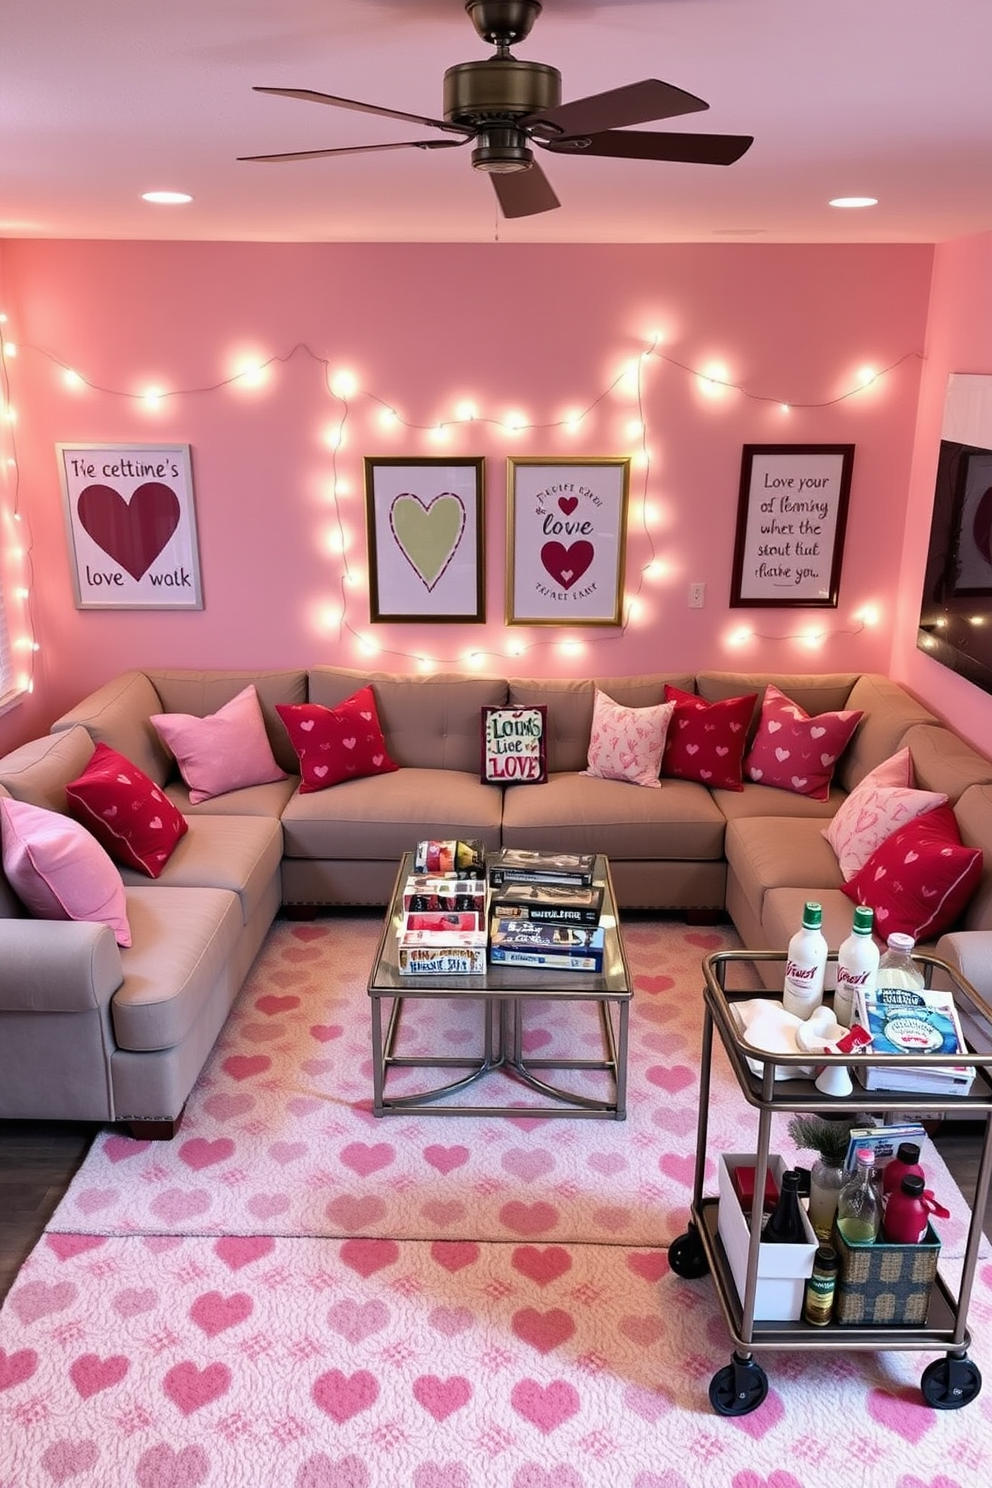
column 336, row 744
column 921, row 878
column 126, row 812
column 795, row 752
column 706, row 740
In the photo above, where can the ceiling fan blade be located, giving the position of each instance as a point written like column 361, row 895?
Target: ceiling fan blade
column 310, row 96
column 636, row 103
column 524, row 193
column 361, row 149
column 643, row 144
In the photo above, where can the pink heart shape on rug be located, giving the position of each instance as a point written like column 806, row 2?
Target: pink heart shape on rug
column 650, row 1405
column 351, row 1213
column 304, row 1105
column 704, row 942
column 65, row 1459
column 653, row 984
column 243, row 1066
column 529, row 1219
column 17, row 1367
column 364, row 1159
column 613, row 1218
column 270, row 1005
column 308, row 933
column 649, row 1265
column 545, row 1406
column 443, row 1213
column 543, row 1330
column 356, row 1321
column 644, row 1330
column 534, row 1039
column 607, row 1163
column 286, row 1152
column 369, row 1256
column 664, row 1043
column 119, row 1149
column 528, row 1165
column 224, row 1106
column 67, row 1247
column 680, row 1167
column 441, row 1397
column 760, row 1422
column 237, row 1251
column 214, row 1313
column 325, row 1032
column 543, row 1266
column 672, row 1078
column 301, row 954
column 134, row 1300
column 317, row 1067
column 903, row 1412
column 268, row 1205
column 527, row 1123
column 450, row 1321
column 199, row 1153
column 455, row 1255
column 446, row 1159
column 163, row 1467
column 672, row 1119
column 178, row 1204
column 288, row 978
column 262, row 1033
column 90, row 1374
column 190, row 1388
column 89, row 1200
column 161, row 1244
column 659, row 1012
column 319, row 1471
column 342, row 1396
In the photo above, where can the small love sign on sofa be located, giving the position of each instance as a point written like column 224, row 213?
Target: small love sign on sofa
column 514, row 745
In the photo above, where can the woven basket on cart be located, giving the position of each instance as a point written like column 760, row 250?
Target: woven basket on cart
column 883, row 1283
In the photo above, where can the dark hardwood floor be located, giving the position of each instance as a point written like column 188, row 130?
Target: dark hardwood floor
column 38, row 1159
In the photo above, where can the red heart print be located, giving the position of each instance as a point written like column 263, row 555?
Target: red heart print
column 119, row 1149
column 353, row 1214
column 902, row 1412
column 270, row 1005
column 442, row 1397
column 16, row 1368
column 319, row 1471
column 567, row 565
column 65, row 1459
column 542, row 1266
column 368, row 1256
column 567, row 504
column 90, row 1374
column 342, row 1396
column 243, row 1066
column 529, row 1219
column 543, row 1330
column 545, row 1406
column 199, row 1153
column 67, row 1247
column 455, row 1255
column 133, row 532
column 191, row 1388
column 240, row 1250
column 672, row 1078
column 364, row 1159
column 446, row 1159
column 650, row 1265
column 653, row 984
column 213, row 1312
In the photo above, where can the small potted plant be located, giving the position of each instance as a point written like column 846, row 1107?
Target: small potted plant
column 829, row 1139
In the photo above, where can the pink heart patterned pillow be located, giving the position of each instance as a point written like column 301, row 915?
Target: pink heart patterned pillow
column 878, row 805
column 795, row 752
column 627, row 743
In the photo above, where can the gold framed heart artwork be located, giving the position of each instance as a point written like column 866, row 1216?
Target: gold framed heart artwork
column 425, row 521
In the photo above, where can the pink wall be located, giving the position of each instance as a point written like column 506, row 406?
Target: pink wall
column 536, row 329
column 959, row 339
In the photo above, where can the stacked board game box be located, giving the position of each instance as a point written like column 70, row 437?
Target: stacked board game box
column 442, row 927
column 550, row 904
column 907, row 1022
column 516, row 865
column 520, row 942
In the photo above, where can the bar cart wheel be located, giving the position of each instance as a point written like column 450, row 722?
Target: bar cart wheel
column 738, row 1388
column 686, row 1255
column 950, row 1383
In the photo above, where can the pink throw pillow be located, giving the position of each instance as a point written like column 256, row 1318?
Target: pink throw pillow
column 627, row 743
column 875, row 808
column 336, row 744
column 920, row 880
column 126, row 811
column 225, row 751
column 795, row 752
column 58, row 871
column 706, row 741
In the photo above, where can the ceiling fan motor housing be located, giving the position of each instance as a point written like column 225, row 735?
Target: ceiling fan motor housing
column 491, row 97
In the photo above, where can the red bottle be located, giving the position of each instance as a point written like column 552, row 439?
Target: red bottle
column 907, row 1214
column 906, row 1161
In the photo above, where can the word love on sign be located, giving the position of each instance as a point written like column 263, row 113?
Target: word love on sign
column 514, row 745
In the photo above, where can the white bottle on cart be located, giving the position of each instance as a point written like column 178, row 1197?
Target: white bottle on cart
column 857, row 965
column 805, row 965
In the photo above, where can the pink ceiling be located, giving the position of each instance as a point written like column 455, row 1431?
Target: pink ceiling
column 102, row 100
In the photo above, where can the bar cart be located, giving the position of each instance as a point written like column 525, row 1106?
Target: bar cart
column 742, row 1385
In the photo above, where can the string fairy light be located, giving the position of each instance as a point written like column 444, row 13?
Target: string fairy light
column 344, row 387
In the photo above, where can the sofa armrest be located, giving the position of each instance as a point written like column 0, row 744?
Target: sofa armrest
column 57, row 966
column 970, row 953
column 118, row 715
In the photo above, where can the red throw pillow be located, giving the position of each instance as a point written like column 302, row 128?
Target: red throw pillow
column 794, row 751
column 335, row 744
column 920, row 879
column 706, row 740
column 126, row 812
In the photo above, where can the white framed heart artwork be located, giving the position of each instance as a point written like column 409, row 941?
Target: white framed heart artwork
column 567, row 540
column 425, row 533
column 131, row 526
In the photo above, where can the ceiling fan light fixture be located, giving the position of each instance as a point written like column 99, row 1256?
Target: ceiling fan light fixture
column 500, row 152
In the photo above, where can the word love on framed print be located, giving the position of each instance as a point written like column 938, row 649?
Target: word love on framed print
column 567, row 540
column 791, row 518
column 132, row 527
column 425, row 526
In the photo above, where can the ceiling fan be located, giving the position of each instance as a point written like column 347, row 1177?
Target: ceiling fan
column 503, row 106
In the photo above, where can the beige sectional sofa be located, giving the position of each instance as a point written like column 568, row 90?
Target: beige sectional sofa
column 92, row 1032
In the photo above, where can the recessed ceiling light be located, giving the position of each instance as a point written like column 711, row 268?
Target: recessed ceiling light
column 854, row 201
column 166, row 198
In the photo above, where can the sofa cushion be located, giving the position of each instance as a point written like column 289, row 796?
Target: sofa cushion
column 794, row 751
column 573, row 812
column 570, row 703
column 627, row 744
column 768, row 853
column 118, row 714
column 383, row 816
column 920, row 879
column 335, row 744
column 973, row 814
column 58, row 870
column 815, row 692
column 222, row 752
column 767, row 800
column 878, row 805
column 706, row 741
column 889, row 710
column 238, row 853
column 203, row 692
column 182, row 940
column 126, row 812
column 943, row 761
column 39, row 771
column 429, row 722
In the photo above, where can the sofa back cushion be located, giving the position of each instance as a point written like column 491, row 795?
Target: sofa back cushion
column 429, row 722
column 118, row 714
column 570, row 702
column 889, row 710
column 943, row 761
column 815, row 692
column 973, row 813
column 39, row 771
column 205, row 692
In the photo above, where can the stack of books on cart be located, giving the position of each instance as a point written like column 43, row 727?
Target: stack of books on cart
column 904, row 1021
column 545, row 911
column 443, row 926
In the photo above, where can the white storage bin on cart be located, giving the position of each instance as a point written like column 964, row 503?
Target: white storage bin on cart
column 782, row 1269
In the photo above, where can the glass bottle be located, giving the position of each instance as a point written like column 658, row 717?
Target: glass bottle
column 897, row 969
column 785, row 1223
column 818, row 1301
column 826, row 1180
column 859, row 1204
column 805, row 964
column 857, row 965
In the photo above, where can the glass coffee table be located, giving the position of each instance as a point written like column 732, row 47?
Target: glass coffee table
column 505, row 995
